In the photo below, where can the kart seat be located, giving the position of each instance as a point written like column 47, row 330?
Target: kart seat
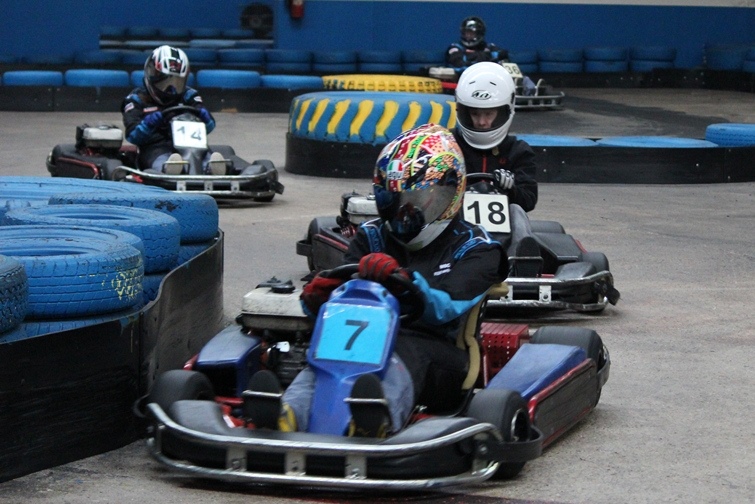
column 468, row 338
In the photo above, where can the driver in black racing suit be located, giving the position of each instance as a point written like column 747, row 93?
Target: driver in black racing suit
column 166, row 72
column 419, row 184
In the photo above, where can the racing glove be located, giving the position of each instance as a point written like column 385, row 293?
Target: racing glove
column 153, row 120
column 504, row 179
column 316, row 293
column 204, row 114
column 378, row 267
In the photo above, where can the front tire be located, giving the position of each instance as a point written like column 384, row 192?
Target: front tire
column 178, row 385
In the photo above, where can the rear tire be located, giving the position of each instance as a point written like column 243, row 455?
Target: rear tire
column 507, row 410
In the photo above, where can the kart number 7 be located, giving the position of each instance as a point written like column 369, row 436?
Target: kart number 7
column 189, row 134
column 356, row 334
column 490, row 211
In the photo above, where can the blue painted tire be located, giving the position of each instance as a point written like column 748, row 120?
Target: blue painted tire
column 77, row 277
column 649, row 65
column 14, row 293
column 653, row 53
column 189, row 251
column 331, row 57
column 654, row 141
column 557, row 141
column 159, row 233
column 380, row 68
column 33, row 328
column 197, row 214
column 368, row 56
column 291, row 81
column 334, row 68
column 151, row 286
column 560, row 55
column 252, row 57
column 731, row 134
column 605, row 53
column 595, row 66
column 560, row 66
column 288, row 56
column 33, row 78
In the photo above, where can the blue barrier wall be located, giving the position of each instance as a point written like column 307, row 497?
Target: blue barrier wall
column 42, row 26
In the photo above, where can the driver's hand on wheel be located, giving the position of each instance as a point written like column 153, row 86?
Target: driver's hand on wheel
column 153, row 120
column 204, row 114
column 316, row 293
column 378, row 267
column 504, row 179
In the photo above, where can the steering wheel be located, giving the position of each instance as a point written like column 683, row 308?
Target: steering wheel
column 412, row 303
column 176, row 110
column 474, row 178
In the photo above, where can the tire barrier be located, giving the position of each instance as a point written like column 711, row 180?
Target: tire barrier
column 395, row 83
column 160, row 233
column 14, row 293
column 731, row 134
column 340, row 133
column 74, row 277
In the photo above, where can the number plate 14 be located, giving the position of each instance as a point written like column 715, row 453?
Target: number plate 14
column 189, row 134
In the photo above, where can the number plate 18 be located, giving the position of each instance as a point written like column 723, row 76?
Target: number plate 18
column 490, row 211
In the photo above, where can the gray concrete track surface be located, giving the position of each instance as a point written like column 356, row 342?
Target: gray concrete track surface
column 675, row 419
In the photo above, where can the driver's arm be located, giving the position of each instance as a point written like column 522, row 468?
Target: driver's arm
column 133, row 111
column 524, row 192
column 192, row 98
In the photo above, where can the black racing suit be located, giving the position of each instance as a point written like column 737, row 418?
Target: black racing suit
column 453, row 272
column 152, row 143
column 460, row 57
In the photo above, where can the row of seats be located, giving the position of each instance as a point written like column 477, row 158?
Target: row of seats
column 211, row 78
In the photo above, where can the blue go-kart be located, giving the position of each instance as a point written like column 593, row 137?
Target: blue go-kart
column 509, row 408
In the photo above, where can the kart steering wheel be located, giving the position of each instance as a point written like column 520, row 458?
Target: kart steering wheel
column 176, row 110
column 474, row 178
column 413, row 301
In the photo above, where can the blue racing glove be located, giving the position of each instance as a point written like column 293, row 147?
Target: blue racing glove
column 153, row 120
column 204, row 114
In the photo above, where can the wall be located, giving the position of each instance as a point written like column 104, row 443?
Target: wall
column 39, row 26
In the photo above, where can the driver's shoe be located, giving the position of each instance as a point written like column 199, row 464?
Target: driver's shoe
column 216, row 165
column 370, row 416
column 263, row 406
column 174, row 165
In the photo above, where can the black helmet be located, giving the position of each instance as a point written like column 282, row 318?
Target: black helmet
column 472, row 31
column 165, row 74
column 419, row 183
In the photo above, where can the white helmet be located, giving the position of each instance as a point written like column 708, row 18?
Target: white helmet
column 165, row 74
column 485, row 85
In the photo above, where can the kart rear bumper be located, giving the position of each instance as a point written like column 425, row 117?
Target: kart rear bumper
column 260, row 185
column 405, row 461
column 550, row 101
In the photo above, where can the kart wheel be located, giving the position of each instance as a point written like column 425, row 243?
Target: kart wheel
column 178, row 385
column 14, row 292
column 507, row 410
column 587, row 339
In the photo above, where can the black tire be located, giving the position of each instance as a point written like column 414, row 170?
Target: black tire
column 178, row 385
column 197, row 214
column 311, row 231
column 14, row 293
column 77, row 277
column 507, row 410
column 587, row 339
column 159, row 233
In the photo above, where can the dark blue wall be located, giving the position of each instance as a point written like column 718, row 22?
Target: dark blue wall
column 39, row 26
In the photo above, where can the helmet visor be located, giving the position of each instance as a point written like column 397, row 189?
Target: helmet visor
column 170, row 85
column 482, row 119
column 407, row 212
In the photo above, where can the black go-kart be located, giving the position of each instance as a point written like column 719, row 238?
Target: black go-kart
column 100, row 153
column 570, row 276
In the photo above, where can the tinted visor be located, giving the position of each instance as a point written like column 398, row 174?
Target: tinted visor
column 407, row 212
column 169, row 85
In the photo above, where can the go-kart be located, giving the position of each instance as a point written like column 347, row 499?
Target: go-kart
column 99, row 153
column 522, row 392
column 529, row 94
column 571, row 277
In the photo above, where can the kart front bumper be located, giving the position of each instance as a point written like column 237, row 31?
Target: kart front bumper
column 546, row 101
column 272, row 457
column 559, row 293
column 255, row 186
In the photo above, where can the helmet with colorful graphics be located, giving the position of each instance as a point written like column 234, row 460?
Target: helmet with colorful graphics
column 419, row 183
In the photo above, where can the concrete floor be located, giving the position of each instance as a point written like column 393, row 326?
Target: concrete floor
column 675, row 419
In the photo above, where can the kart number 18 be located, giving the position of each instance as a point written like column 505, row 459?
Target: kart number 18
column 353, row 337
column 490, row 211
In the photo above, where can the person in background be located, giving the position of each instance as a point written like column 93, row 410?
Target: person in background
column 166, row 72
column 419, row 184
column 472, row 47
column 485, row 97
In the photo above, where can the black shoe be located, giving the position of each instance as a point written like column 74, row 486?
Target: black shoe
column 528, row 262
column 262, row 400
column 370, row 416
